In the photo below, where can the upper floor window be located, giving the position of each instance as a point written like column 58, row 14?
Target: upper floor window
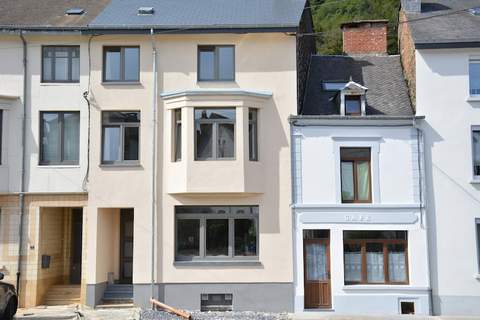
column 59, row 138
column 355, row 175
column 121, row 64
column 214, row 133
column 217, row 232
column 375, row 257
column 474, row 76
column 120, row 137
column 177, row 134
column 253, row 134
column 353, row 106
column 60, row 64
column 476, row 152
column 216, row 63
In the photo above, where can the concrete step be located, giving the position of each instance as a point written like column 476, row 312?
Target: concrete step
column 115, row 306
column 119, row 287
column 61, row 302
column 58, row 295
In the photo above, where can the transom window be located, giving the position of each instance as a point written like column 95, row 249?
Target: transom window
column 476, row 152
column 214, row 133
column 120, row 137
column 121, row 64
column 474, row 76
column 375, row 257
column 59, row 138
column 353, row 105
column 217, row 232
column 60, row 64
column 216, row 63
column 355, row 175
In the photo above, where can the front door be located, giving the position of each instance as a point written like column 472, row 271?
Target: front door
column 126, row 245
column 317, row 273
column 76, row 246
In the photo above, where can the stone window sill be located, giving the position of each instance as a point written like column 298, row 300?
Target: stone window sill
column 219, row 263
column 473, row 98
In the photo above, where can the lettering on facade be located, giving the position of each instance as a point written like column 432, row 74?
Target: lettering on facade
column 358, row 218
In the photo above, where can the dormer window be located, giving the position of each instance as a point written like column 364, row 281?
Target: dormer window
column 353, row 106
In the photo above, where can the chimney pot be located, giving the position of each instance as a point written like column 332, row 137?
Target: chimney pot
column 365, row 37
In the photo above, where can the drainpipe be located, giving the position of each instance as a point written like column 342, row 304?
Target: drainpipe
column 22, row 181
column 423, row 204
column 154, row 159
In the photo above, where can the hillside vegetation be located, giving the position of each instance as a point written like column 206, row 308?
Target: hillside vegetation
column 329, row 14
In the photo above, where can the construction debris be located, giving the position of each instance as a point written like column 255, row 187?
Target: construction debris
column 165, row 307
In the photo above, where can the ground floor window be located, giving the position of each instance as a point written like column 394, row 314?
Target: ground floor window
column 375, row 257
column 216, row 232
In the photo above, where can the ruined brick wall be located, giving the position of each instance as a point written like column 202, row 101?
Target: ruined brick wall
column 365, row 38
column 407, row 53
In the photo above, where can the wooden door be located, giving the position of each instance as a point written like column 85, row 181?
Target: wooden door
column 76, row 246
column 126, row 245
column 317, row 273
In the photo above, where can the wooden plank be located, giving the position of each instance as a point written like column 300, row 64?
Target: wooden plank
column 167, row 308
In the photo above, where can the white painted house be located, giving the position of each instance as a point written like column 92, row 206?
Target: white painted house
column 441, row 51
column 360, row 241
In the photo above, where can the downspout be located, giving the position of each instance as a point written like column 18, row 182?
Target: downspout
column 22, row 181
column 423, row 204
column 85, row 96
column 154, row 159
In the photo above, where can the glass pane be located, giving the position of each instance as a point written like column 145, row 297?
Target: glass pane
column 111, row 143
column 71, row 136
column 215, row 114
column 204, row 141
column 132, row 64
column 178, row 141
column 252, row 135
column 381, row 235
column 217, row 237
column 50, row 138
column 245, row 237
column 120, row 117
column 127, row 269
column 347, row 181
column 206, row 66
column 353, row 262
column 188, row 237
column 474, row 75
column 61, row 69
column 128, row 249
column 363, row 180
column 316, row 256
column 47, row 69
column 476, row 152
column 352, row 105
column 75, row 69
column 397, row 264
column 128, row 228
column 226, row 140
column 226, row 63
column 354, row 153
column 112, row 64
column 375, row 272
column 130, row 151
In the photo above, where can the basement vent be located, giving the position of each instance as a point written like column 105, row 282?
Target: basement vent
column 145, row 11
column 216, row 302
column 407, row 307
column 75, row 11
column 474, row 11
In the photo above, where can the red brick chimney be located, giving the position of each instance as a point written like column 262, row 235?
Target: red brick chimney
column 365, row 37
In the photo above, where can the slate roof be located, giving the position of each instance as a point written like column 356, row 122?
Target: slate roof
column 387, row 93
column 445, row 22
column 48, row 13
column 202, row 14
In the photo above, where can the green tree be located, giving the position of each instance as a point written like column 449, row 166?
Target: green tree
column 328, row 15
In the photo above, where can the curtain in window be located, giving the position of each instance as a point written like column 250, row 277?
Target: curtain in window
column 397, row 266
column 71, row 136
column 111, row 143
column 347, row 181
column 226, row 142
column 353, row 266
column 316, row 261
column 61, row 64
column 375, row 272
column 50, row 138
column 112, row 65
column 363, row 180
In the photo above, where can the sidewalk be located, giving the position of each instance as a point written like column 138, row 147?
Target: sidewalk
column 72, row 312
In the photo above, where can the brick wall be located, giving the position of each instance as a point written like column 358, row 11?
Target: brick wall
column 407, row 55
column 365, row 37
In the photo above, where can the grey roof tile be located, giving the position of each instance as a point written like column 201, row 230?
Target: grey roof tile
column 172, row 14
column 387, row 91
column 445, row 21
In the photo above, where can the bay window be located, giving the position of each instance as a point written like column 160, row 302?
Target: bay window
column 216, row 232
column 355, row 175
column 214, row 133
column 253, row 134
column 59, row 138
column 120, row 137
column 375, row 257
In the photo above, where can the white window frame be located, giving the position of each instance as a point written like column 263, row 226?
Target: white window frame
column 472, row 166
column 358, row 142
column 477, row 238
column 472, row 60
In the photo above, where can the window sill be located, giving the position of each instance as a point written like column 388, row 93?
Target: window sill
column 57, row 84
column 475, row 180
column 473, row 98
column 121, row 83
column 217, row 263
column 120, row 165
column 374, row 287
column 58, row 166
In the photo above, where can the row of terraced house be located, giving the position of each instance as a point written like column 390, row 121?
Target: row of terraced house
column 203, row 154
